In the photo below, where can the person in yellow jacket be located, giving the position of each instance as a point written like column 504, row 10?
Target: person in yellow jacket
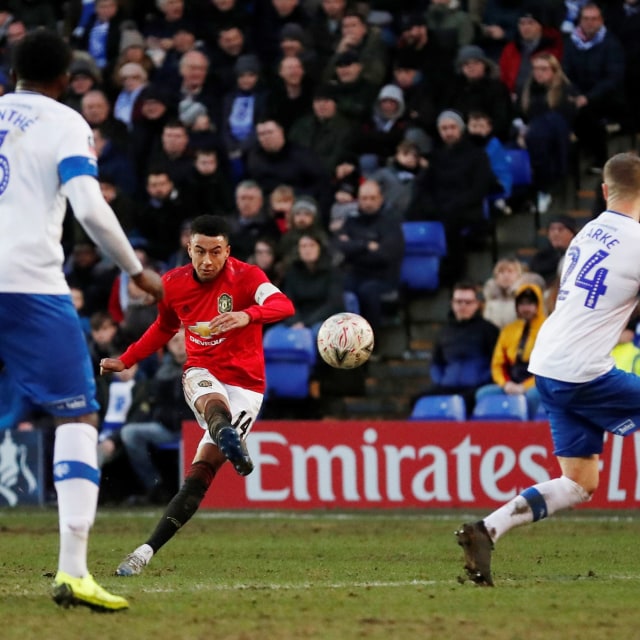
column 510, row 361
column 626, row 353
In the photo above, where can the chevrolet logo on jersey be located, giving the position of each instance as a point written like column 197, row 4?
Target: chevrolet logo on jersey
column 225, row 303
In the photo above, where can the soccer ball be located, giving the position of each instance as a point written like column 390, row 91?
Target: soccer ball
column 345, row 340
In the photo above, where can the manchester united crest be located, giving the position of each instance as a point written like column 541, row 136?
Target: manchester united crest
column 225, row 303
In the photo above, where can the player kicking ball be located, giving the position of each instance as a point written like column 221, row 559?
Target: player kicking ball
column 223, row 304
column 584, row 394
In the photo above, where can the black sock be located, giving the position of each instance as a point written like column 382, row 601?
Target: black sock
column 217, row 416
column 183, row 505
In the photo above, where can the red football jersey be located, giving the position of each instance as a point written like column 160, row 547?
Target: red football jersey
column 234, row 357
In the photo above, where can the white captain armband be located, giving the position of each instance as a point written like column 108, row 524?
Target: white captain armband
column 265, row 290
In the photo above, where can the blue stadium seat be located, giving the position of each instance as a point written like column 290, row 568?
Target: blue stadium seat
column 519, row 163
column 13, row 404
column 172, row 445
column 425, row 246
column 351, row 302
column 289, row 355
column 501, row 407
column 520, row 166
column 445, row 407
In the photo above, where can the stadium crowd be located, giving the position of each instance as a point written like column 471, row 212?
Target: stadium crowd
column 317, row 128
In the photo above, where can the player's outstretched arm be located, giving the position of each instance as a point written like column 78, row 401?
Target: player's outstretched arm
column 101, row 224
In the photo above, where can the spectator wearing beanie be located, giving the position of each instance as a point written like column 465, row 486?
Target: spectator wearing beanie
column 241, row 109
column 304, row 218
column 477, row 87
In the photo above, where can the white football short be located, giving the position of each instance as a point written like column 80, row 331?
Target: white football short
column 244, row 404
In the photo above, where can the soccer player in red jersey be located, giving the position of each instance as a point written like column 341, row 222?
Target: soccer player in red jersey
column 222, row 304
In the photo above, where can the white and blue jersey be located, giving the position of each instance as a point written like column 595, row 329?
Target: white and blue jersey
column 47, row 156
column 582, row 391
column 597, row 294
column 43, row 145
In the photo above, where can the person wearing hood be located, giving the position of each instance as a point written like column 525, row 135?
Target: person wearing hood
column 477, row 87
column 510, row 361
column 379, row 136
column 243, row 107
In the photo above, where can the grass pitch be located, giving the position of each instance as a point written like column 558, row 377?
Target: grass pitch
column 329, row 576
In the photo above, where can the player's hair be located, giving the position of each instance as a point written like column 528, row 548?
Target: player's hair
column 211, row 226
column 622, row 176
column 41, row 56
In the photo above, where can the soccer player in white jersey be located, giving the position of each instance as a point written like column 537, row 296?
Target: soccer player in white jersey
column 584, row 394
column 47, row 157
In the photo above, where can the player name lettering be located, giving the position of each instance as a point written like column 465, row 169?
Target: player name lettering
column 605, row 237
column 15, row 118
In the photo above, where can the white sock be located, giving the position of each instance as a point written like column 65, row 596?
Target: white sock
column 535, row 503
column 77, row 482
column 145, row 551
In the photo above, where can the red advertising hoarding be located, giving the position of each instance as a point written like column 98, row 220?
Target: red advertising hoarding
column 389, row 464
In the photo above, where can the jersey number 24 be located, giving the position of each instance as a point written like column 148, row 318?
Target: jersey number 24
column 589, row 277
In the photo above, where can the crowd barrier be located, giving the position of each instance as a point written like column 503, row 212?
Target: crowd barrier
column 405, row 465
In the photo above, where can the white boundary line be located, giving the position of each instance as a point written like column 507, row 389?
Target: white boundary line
column 301, row 586
column 428, row 516
column 109, row 513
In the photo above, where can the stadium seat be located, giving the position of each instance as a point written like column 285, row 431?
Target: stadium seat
column 173, row 445
column 425, row 246
column 289, row 356
column 351, row 302
column 519, row 163
column 501, row 407
column 520, row 166
column 445, row 407
column 13, row 404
